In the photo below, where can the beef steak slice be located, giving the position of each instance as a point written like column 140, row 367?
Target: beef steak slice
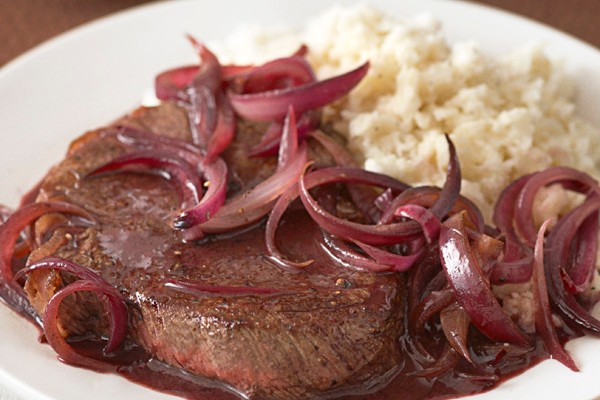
column 316, row 338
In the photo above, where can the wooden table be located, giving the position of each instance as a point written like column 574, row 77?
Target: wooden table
column 26, row 23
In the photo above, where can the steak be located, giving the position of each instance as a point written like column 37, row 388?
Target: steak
column 325, row 330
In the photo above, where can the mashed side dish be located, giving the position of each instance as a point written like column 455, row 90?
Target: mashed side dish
column 507, row 116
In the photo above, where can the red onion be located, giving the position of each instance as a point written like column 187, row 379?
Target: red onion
column 273, row 104
column 431, row 305
column 364, row 197
column 447, row 362
column 202, row 111
column 113, row 299
column 269, row 143
column 451, row 189
column 581, row 266
column 341, row 253
column 216, row 179
column 576, row 180
column 557, row 250
column 430, row 224
column 472, row 289
column 170, row 84
column 172, row 167
column 249, row 207
column 455, row 325
column 278, row 74
column 396, row 262
column 54, row 337
column 147, row 140
column 209, row 74
column 322, row 177
column 544, row 325
column 224, row 131
column 19, row 220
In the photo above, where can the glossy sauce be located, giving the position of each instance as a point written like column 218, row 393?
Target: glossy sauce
column 139, row 367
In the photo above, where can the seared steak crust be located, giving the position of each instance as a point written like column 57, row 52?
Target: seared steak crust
column 327, row 330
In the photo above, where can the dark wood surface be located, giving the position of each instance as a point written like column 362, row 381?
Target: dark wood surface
column 26, row 23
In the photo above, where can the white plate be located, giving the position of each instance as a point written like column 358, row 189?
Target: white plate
column 91, row 75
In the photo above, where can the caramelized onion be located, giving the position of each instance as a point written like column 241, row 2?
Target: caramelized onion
column 471, row 287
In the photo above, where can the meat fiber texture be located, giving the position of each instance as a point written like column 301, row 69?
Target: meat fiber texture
column 332, row 331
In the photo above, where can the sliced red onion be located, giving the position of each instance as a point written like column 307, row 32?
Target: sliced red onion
column 515, row 266
column 269, row 143
column 169, row 84
column 118, row 320
column 278, row 74
column 209, row 74
column 364, row 197
column 451, row 189
column 431, row 305
column 344, row 255
column 370, row 234
column 273, row 105
column 289, row 139
column 396, row 262
column 240, row 72
column 215, row 175
column 202, row 111
column 430, row 224
column 11, row 229
column 504, row 210
column 472, row 289
column 544, row 324
column 172, row 167
column 581, row 267
column 145, row 139
column 249, row 207
column 575, row 180
column 172, row 84
column 455, row 325
column 316, row 178
column 224, row 131
column 113, row 299
column 427, row 196
column 557, row 251
column 448, row 361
